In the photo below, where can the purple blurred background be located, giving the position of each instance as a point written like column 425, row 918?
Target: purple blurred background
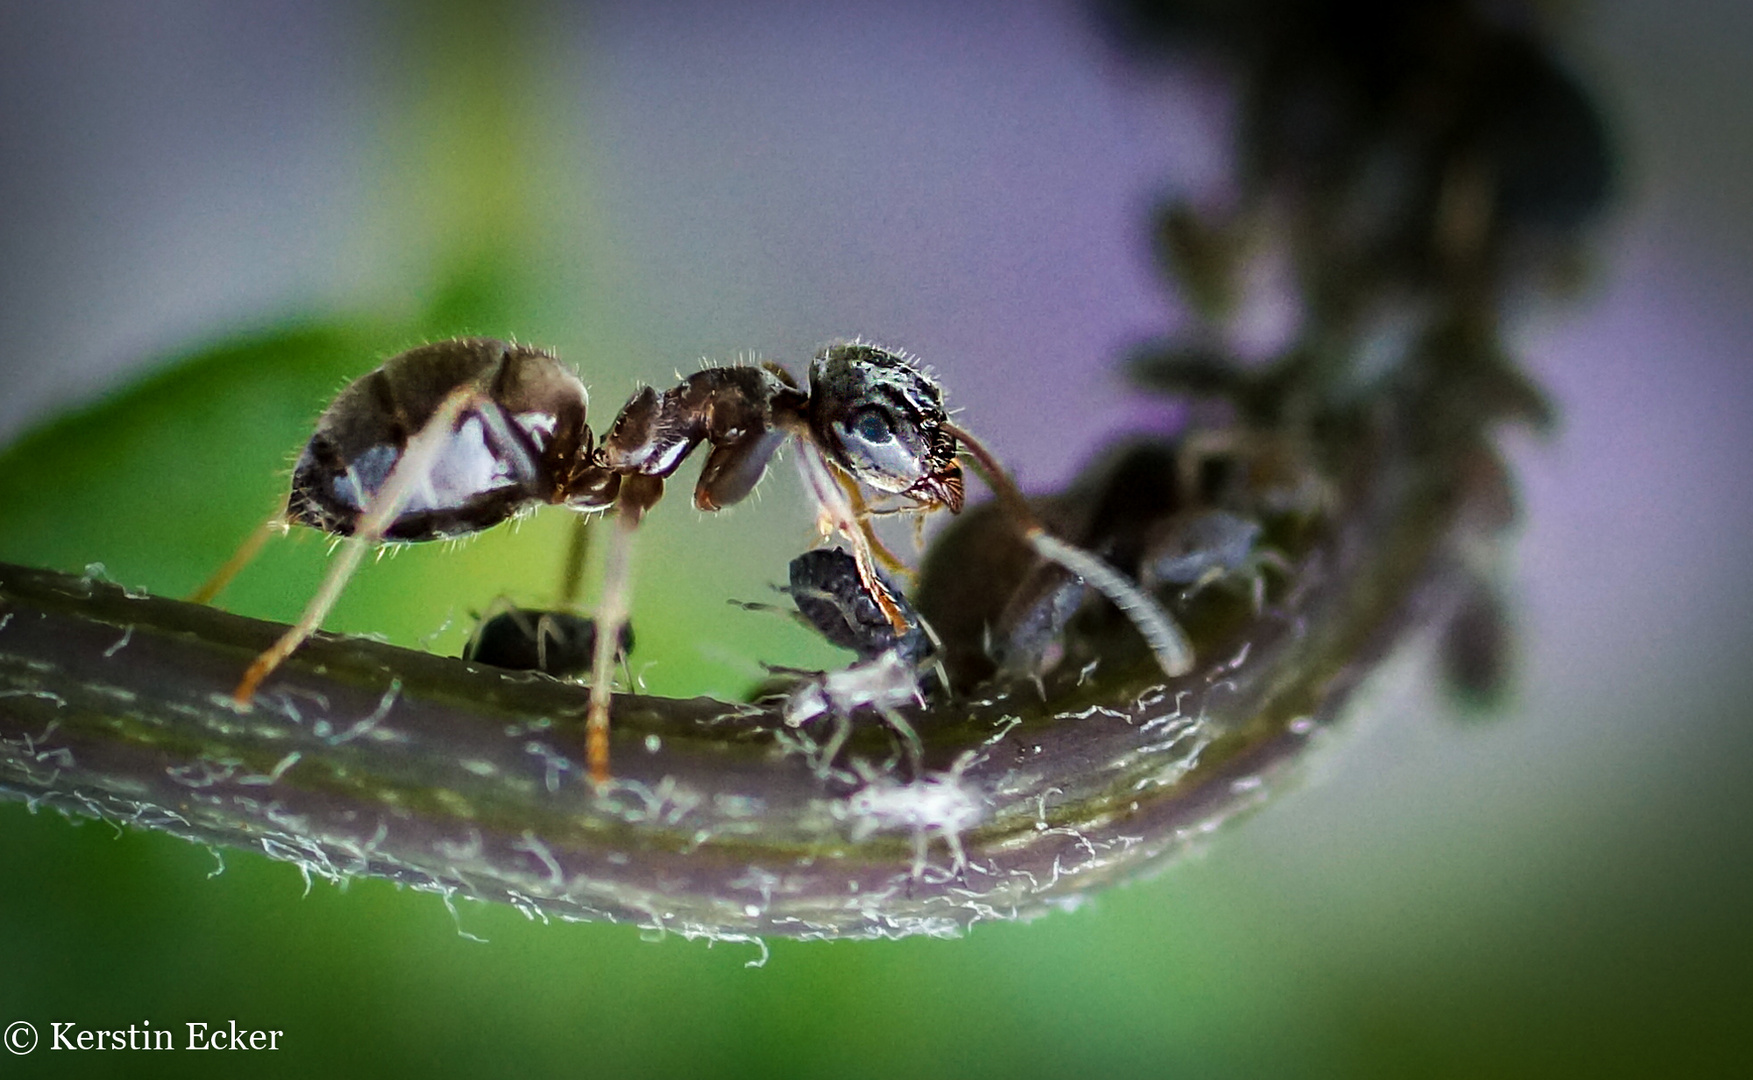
column 971, row 185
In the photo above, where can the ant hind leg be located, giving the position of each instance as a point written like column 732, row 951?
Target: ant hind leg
column 410, row 471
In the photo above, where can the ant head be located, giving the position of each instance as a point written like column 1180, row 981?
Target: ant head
column 882, row 420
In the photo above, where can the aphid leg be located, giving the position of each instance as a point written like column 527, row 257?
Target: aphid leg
column 912, row 748
column 499, row 607
column 835, row 514
column 544, row 633
column 409, row 473
column 1174, row 653
column 638, row 494
column 246, row 552
column 824, row 763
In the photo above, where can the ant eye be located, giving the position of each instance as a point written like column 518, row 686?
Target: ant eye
column 873, row 426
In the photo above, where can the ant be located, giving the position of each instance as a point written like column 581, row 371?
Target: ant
column 453, row 437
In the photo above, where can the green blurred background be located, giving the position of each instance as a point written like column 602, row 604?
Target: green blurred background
column 278, row 195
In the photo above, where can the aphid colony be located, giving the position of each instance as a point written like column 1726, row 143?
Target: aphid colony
column 457, row 436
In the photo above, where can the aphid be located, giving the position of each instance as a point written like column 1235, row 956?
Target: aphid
column 885, row 683
column 1155, row 510
column 454, row 437
column 557, row 643
column 1028, row 641
column 1002, row 609
column 1200, row 549
column 832, row 598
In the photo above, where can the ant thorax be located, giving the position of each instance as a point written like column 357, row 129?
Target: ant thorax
column 743, row 412
column 867, row 410
column 518, row 441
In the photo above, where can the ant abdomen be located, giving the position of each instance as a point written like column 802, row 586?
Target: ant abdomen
column 519, row 439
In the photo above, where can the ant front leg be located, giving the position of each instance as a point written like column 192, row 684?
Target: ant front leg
column 410, row 472
column 836, row 513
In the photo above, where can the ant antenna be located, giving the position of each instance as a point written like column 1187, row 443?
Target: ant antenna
column 1174, row 654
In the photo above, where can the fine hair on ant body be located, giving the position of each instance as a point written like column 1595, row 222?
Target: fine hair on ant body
column 453, row 437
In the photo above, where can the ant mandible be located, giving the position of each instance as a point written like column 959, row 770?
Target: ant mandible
column 454, row 437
